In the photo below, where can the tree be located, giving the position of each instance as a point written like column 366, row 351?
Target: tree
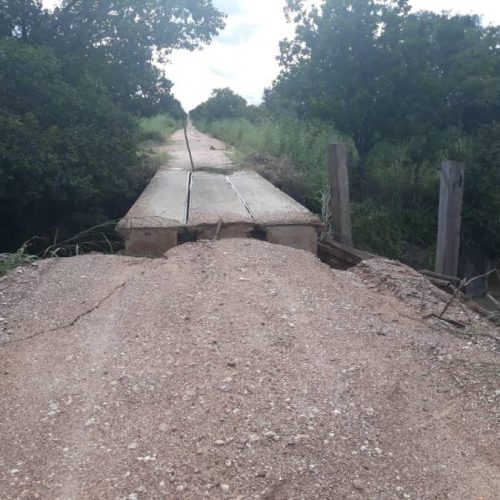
column 22, row 19
column 64, row 149
column 380, row 73
column 223, row 103
column 118, row 41
column 141, row 24
column 69, row 81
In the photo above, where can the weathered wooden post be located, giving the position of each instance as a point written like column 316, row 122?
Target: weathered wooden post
column 340, row 205
column 450, row 218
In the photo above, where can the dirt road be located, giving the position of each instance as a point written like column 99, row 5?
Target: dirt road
column 239, row 369
column 207, row 152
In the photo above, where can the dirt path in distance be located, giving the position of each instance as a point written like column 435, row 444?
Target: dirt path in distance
column 208, row 153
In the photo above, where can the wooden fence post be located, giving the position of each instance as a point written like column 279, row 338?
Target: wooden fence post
column 340, row 205
column 450, row 218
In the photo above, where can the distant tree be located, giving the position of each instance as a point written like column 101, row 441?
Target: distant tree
column 223, row 103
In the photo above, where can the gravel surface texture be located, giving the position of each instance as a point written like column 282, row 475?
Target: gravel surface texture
column 241, row 370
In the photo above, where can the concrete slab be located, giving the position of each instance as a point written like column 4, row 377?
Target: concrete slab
column 300, row 237
column 267, row 203
column 178, row 157
column 153, row 242
column 164, row 203
column 208, row 153
column 213, row 198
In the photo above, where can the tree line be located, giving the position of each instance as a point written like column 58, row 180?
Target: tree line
column 406, row 90
column 73, row 83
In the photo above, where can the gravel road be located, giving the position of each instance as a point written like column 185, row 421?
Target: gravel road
column 239, row 370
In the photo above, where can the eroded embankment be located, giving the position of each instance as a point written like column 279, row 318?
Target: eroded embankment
column 240, row 369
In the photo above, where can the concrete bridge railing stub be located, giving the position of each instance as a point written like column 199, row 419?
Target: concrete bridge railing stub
column 180, row 205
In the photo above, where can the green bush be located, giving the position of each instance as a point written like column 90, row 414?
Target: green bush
column 9, row 261
column 375, row 229
column 481, row 214
column 65, row 148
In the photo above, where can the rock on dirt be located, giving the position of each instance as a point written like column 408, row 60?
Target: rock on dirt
column 172, row 378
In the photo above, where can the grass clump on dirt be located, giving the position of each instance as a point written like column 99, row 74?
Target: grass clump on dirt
column 10, row 261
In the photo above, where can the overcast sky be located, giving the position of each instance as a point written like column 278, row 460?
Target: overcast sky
column 243, row 57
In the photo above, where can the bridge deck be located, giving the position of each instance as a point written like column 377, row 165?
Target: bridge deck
column 180, row 205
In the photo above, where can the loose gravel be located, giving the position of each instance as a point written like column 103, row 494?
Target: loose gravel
column 239, row 369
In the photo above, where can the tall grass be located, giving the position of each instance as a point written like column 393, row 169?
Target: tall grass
column 304, row 143
column 158, row 128
column 398, row 218
column 101, row 238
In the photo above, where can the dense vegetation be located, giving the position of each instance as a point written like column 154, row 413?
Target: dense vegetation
column 406, row 91
column 301, row 144
column 74, row 85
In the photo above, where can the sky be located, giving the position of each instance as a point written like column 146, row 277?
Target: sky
column 243, row 56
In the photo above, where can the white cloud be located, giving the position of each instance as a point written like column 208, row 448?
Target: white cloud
column 250, row 65
column 489, row 10
column 243, row 57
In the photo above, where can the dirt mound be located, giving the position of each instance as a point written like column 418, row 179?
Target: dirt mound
column 413, row 290
column 424, row 301
column 237, row 369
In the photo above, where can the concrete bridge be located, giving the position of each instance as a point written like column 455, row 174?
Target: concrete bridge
column 208, row 198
